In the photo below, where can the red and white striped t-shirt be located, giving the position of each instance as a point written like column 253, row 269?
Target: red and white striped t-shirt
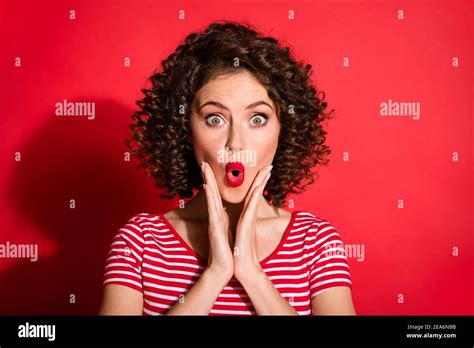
column 148, row 255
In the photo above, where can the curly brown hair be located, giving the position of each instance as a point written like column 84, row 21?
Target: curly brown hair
column 161, row 129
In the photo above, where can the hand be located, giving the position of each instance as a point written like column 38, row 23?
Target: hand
column 220, row 255
column 245, row 249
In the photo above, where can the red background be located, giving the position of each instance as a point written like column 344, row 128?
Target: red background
column 408, row 251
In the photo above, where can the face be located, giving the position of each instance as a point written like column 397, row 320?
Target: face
column 234, row 120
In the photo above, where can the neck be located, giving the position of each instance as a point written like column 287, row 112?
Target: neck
column 198, row 204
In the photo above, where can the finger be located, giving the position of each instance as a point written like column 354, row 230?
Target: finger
column 212, row 184
column 215, row 189
column 209, row 182
column 250, row 211
column 210, row 197
column 259, row 180
column 207, row 190
column 211, row 209
column 212, row 179
column 203, row 173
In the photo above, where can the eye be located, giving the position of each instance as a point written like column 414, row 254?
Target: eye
column 259, row 119
column 214, row 120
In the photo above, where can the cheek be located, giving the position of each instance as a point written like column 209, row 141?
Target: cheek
column 204, row 145
column 266, row 146
column 204, row 151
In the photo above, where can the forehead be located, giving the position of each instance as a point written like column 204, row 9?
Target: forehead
column 234, row 89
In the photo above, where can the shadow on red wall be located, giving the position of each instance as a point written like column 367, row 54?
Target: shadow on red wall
column 80, row 159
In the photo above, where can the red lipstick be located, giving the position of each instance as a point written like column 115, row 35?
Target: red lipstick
column 235, row 173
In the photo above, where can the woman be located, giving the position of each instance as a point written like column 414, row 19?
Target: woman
column 234, row 117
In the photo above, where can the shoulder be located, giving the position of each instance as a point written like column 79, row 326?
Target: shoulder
column 305, row 218
column 144, row 218
column 140, row 222
column 323, row 241
column 318, row 228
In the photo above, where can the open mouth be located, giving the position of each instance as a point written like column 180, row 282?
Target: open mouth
column 235, row 173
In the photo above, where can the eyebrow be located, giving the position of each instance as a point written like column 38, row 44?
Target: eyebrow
column 219, row 105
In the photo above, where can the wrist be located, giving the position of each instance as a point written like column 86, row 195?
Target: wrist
column 218, row 275
column 249, row 273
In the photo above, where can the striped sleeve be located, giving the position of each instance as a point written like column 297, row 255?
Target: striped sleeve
column 124, row 260
column 328, row 261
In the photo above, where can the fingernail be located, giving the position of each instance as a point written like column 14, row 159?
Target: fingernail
column 203, row 173
column 269, row 168
column 265, row 181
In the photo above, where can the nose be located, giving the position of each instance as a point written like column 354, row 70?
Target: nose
column 234, row 143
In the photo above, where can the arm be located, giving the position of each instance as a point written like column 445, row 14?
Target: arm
column 122, row 292
column 199, row 300
column 330, row 279
column 265, row 298
column 201, row 297
column 333, row 301
column 268, row 301
column 121, row 300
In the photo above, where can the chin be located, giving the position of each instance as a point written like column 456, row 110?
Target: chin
column 233, row 195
